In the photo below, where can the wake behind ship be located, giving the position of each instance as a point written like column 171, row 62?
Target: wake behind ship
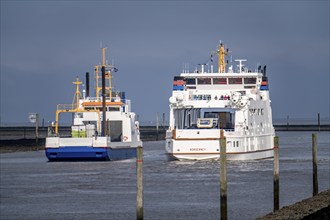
column 103, row 127
column 235, row 100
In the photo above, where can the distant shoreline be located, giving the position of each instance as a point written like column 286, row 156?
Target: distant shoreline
column 298, row 127
column 152, row 128
column 22, row 138
column 147, row 132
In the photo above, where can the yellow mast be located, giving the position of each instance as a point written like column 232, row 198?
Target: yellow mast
column 98, row 77
column 103, row 55
column 221, row 58
column 77, row 94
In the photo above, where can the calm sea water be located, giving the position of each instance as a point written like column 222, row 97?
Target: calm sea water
column 32, row 188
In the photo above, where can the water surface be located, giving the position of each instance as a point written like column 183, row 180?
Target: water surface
column 32, row 188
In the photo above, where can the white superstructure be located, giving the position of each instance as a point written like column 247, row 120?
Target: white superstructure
column 235, row 100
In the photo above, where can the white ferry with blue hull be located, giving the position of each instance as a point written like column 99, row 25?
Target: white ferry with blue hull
column 235, row 100
column 93, row 138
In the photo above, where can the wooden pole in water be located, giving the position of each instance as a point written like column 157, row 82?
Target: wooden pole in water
column 157, row 125
column 319, row 121
column 276, row 176
column 163, row 121
column 37, row 129
column 139, row 183
column 223, row 177
column 315, row 180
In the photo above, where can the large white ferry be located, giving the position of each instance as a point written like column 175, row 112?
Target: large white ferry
column 234, row 100
column 103, row 126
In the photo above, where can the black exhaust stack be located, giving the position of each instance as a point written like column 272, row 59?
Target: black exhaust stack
column 104, row 132
column 264, row 72
column 87, row 84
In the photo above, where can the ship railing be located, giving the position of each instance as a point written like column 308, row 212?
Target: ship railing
column 66, row 106
column 93, row 98
column 113, row 99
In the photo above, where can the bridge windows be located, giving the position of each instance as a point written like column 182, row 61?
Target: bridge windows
column 204, row 81
column 190, row 81
column 219, row 81
column 234, row 80
column 251, row 80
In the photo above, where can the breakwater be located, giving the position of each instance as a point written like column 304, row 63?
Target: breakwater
column 302, row 127
column 316, row 207
column 148, row 133
column 24, row 138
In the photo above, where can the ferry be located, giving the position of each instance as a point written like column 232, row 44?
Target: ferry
column 103, row 126
column 234, row 101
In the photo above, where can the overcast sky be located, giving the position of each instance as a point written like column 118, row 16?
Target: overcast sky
column 46, row 44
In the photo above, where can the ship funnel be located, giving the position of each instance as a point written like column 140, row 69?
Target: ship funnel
column 87, row 84
column 259, row 69
column 264, row 72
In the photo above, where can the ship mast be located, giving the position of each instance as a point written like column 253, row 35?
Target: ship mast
column 221, row 58
column 108, row 77
column 77, row 95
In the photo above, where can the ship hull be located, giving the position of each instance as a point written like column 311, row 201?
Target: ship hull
column 59, row 149
column 85, row 153
column 245, row 148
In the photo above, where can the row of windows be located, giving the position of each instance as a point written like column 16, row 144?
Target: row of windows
column 208, row 97
column 109, row 109
column 221, row 80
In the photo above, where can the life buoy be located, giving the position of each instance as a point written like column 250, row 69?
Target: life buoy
column 125, row 138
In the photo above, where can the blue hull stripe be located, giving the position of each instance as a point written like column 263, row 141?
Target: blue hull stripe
column 263, row 87
column 89, row 153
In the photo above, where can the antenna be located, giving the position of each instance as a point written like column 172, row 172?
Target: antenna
column 185, row 67
column 240, row 65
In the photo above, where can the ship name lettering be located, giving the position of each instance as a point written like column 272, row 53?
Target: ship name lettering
column 197, row 149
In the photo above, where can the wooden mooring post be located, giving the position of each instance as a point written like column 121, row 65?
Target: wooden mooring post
column 157, row 125
column 37, row 130
column 139, row 183
column 223, row 177
column 276, row 176
column 315, row 180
